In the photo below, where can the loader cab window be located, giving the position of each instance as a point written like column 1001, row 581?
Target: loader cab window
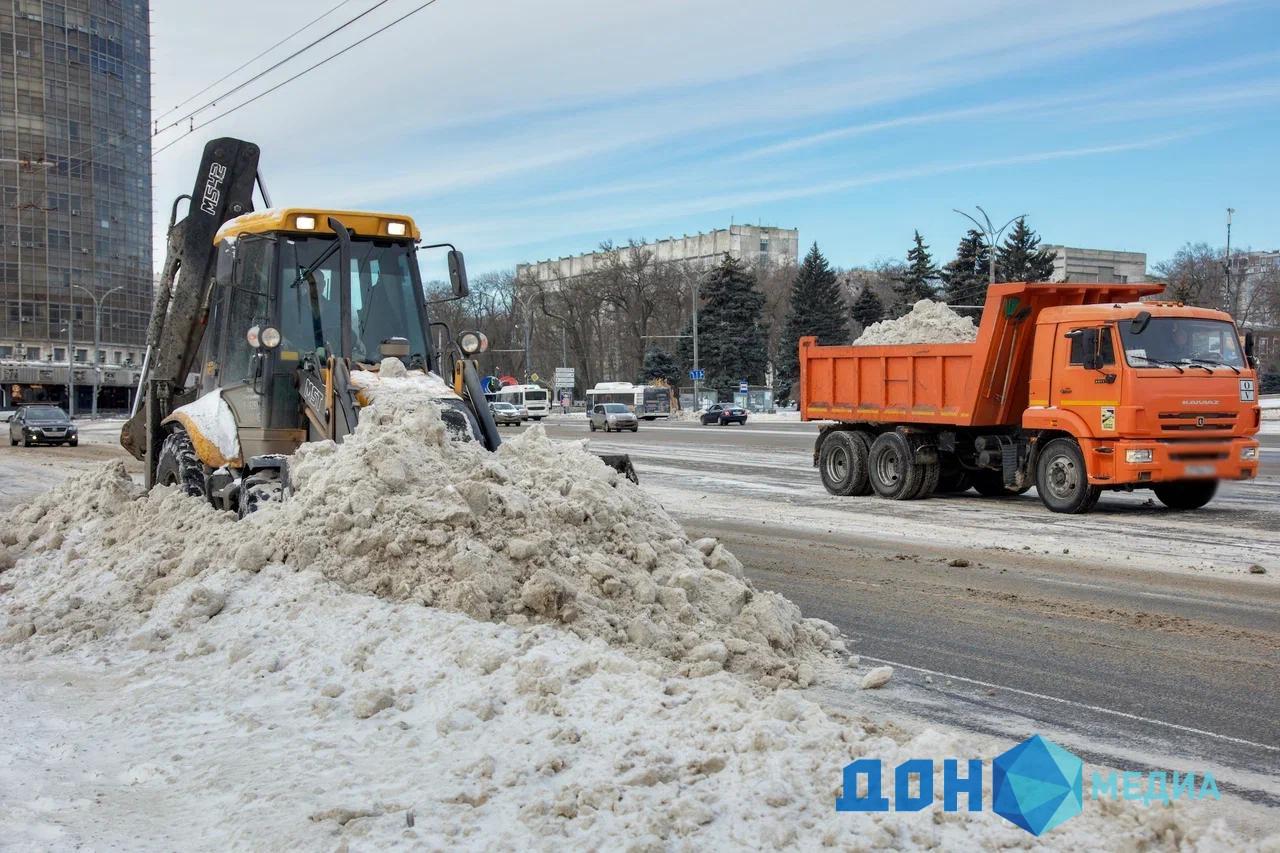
column 244, row 301
column 383, row 303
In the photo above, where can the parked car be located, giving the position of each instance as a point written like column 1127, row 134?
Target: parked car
column 613, row 417
column 41, row 424
column 506, row 413
column 723, row 413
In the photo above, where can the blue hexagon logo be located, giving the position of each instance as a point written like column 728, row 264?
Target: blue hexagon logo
column 1037, row 785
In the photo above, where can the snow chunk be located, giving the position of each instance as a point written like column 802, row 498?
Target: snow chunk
column 928, row 322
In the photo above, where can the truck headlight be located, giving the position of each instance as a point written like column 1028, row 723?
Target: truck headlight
column 1248, row 453
column 1138, row 456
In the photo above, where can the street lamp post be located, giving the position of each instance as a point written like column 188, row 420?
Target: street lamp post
column 993, row 237
column 1230, row 299
column 97, row 336
column 696, row 381
column 71, row 367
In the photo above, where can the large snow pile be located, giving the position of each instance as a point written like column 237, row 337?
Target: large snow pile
column 541, row 531
column 927, row 322
column 163, row 662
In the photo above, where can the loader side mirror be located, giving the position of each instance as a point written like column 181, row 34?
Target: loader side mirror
column 458, row 274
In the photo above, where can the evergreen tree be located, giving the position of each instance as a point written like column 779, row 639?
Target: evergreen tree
column 919, row 280
column 867, row 309
column 1019, row 259
column 817, row 308
column 732, row 344
column 659, row 364
column 964, row 279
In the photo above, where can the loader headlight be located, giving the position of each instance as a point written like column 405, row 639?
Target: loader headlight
column 253, row 337
column 270, row 337
column 397, row 229
column 1248, row 453
column 305, row 223
column 1133, row 456
column 472, row 342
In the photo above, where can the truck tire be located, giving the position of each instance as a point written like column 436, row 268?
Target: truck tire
column 928, row 480
column 842, row 464
column 1186, row 494
column 178, row 465
column 1062, row 479
column 892, row 468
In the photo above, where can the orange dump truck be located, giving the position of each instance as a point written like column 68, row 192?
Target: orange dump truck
column 1071, row 388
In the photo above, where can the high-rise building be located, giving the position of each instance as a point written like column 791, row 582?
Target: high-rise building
column 754, row 244
column 75, row 197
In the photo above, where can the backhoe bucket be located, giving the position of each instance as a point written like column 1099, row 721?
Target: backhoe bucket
column 621, row 463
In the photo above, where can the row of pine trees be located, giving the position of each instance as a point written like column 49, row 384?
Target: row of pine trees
column 732, row 339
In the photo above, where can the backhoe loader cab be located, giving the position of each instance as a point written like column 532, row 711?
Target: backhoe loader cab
column 272, row 328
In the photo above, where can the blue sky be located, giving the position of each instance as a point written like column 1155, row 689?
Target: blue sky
column 523, row 131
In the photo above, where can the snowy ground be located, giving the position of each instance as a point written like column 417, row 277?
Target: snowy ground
column 301, row 715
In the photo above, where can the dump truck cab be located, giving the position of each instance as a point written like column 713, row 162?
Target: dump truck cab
column 1153, row 391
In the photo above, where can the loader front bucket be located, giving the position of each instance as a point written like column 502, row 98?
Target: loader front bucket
column 621, row 463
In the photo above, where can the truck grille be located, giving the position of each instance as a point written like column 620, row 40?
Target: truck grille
column 1193, row 421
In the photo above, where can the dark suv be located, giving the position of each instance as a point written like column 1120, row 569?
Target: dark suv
column 41, row 424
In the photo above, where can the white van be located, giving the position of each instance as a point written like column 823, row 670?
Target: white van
column 535, row 399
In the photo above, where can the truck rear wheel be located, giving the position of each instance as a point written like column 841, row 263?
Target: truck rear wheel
column 178, row 465
column 1186, row 494
column 892, row 468
column 842, row 464
column 932, row 473
column 1062, row 479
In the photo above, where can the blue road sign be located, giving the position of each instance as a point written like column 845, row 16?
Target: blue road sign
column 743, row 386
column 697, row 374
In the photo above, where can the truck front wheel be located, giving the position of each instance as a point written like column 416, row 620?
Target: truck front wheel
column 842, row 464
column 1062, row 479
column 1186, row 494
column 892, row 467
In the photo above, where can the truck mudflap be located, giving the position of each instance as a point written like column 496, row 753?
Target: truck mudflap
column 621, row 462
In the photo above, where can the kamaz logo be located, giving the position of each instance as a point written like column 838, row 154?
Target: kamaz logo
column 213, row 189
column 1199, row 402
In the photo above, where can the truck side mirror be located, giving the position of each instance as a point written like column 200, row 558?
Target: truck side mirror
column 1248, row 350
column 458, row 274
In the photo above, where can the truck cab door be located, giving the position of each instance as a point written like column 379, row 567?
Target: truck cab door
column 1086, row 378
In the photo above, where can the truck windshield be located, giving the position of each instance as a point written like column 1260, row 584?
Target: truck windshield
column 1181, row 341
column 382, row 298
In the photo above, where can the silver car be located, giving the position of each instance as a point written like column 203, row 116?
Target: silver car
column 612, row 417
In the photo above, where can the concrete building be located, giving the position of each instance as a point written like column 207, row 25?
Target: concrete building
column 754, row 244
column 75, row 196
column 1085, row 265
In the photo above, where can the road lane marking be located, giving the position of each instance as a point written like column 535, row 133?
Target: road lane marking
column 1076, row 704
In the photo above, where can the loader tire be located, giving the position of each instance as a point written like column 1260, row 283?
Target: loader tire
column 892, row 467
column 1186, row 494
column 178, row 465
column 842, row 464
column 1062, row 479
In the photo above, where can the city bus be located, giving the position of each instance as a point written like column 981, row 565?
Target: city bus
column 646, row 401
column 535, row 398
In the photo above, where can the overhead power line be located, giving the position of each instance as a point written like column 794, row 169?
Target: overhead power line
column 267, row 71
column 301, row 73
column 249, row 62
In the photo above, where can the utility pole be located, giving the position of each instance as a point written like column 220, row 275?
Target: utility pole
column 71, row 366
column 97, row 339
column 1231, row 302
column 993, row 237
column 696, row 382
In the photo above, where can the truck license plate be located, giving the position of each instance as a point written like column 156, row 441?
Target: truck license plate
column 1200, row 471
